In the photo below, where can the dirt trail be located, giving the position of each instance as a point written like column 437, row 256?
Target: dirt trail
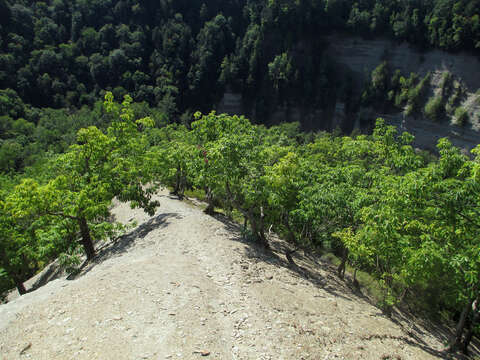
column 183, row 283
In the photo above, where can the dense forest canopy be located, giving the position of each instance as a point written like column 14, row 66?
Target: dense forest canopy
column 180, row 55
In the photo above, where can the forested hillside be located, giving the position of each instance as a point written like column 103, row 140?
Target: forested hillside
column 180, row 55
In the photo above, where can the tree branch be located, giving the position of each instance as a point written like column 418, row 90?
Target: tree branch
column 61, row 214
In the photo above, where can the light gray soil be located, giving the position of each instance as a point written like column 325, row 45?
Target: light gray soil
column 183, row 283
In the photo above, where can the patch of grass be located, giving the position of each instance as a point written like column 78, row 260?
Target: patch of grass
column 237, row 216
column 197, row 194
column 331, row 259
column 370, row 284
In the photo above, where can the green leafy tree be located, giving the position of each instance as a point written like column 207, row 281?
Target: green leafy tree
column 98, row 168
column 231, row 165
column 172, row 155
column 280, row 71
column 18, row 251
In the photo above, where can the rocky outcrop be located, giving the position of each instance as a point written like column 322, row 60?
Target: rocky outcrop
column 361, row 56
column 231, row 103
column 427, row 133
column 357, row 57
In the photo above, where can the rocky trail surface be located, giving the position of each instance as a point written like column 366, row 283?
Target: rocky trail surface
column 184, row 285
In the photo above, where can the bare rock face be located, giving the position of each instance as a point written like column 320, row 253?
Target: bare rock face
column 361, row 57
column 427, row 133
column 231, row 103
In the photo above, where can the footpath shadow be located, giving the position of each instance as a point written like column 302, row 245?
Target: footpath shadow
column 53, row 271
column 409, row 324
column 322, row 274
column 124, row 243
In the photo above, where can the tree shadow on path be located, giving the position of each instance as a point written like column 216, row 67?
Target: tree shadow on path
column 322, row 274
column 53, row 271
column 125, row 242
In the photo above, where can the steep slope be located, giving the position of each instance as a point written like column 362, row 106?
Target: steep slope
column 361, row 56
column 183, row 283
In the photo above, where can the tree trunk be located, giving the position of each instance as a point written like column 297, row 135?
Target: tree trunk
column 86, row 238
column 180, row 183
column 457, row 339
column 468, row 338
column 20, row 286
column 253, row 223
column 261, row 230
column 177, row 191
column 471, row 327
column 257, row 229
column 291, row 239
column 12, row 274
column 210, row 207
column 290, row 234
column 355, row 281
column 182, row 186
column 288, row 255
column 228, row 201
column 342, row 266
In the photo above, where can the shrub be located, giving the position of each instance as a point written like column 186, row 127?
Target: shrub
column 446, row 83
column 461, row 116
column 408, row 110
column 434, row 108
column 416, row 94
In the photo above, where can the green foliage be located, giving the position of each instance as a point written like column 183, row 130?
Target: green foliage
column 45, row 217
column 407, row 222
column 171, row 157
column 447, row 83
column 280, row 70
column 182, row 57
column 416, row 95
column 379, row 85
column 434, row 109
column 461, row 116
